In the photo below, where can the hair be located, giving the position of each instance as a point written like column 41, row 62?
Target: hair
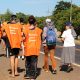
column 32, row 20
column 21, row 20
column 13, row 17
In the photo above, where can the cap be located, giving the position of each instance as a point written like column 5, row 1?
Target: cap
column 48, row 20
column 68, row 24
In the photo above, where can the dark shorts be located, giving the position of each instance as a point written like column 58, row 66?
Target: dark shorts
column 49, row 47
column 15, row 51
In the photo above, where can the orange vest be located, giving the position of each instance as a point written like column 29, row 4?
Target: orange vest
column 3, row 25
column 25, row 26
column 13, row 32
column 32, row 42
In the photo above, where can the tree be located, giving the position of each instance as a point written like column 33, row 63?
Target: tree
column 61, row 14
column 40, row 21
column 22, row 15
column 7, row 15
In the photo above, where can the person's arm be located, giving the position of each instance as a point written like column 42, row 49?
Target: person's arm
column 4, row 34
column 63, row 36
column 62, row 39
column 44, row 33
column 23, row 37
column 3, row 30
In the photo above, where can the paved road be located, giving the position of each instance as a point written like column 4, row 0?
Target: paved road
column 5, row 70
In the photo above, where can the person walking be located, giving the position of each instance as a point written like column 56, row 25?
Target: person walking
column 5, row 39
column 21, row 22
column 32, row 43
column 68, row 52
column 13, row 32
column 49, row 44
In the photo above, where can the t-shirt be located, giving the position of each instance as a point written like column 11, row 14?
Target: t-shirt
column 68, row 38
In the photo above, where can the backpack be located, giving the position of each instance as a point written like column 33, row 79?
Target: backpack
column 51, row 37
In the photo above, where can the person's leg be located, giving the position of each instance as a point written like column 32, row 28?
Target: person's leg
column 71, row 58
column 34, row 60
column 12, row 59
column 53, row 59
column 46, row 67
column 22, row 50
column 8, row 51
column 64, row 59
column 28, row 67
column 16, row 66
column 16, row 53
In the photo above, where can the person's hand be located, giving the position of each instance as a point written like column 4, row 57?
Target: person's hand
column 23, row 38
column 4, row 33
column 60, row 39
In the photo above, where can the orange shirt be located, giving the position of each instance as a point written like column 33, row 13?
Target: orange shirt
column 32, row 42
column 13, row 32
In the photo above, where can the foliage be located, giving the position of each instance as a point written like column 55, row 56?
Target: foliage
column 22, row 15
column 60, row 15
column 7, row 15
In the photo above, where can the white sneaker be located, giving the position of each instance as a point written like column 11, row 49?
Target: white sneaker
column 18, row 57
column 22, row 57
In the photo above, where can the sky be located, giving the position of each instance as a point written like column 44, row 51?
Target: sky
column 31, row 7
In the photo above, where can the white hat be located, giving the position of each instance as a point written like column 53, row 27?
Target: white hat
column 48, row 20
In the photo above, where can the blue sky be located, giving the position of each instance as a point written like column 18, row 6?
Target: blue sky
column 33, row 7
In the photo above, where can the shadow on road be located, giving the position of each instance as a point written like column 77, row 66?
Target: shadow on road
column 19, row 70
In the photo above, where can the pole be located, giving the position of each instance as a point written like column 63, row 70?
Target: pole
column 71, row 12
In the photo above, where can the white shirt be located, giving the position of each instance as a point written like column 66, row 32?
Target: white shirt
column 68, row 38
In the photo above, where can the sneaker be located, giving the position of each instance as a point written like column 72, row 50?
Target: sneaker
column 54, row 71
column 19, row 57
column 69, row 69
column 22, row 57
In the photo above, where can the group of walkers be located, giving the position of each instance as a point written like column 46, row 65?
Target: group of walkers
column 29, row 36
